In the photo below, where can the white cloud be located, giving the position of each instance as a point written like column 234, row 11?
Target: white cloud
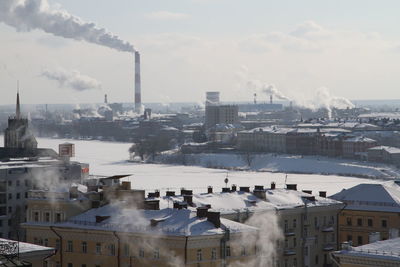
column 166, row 15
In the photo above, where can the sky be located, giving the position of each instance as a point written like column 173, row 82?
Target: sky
column 188, row 47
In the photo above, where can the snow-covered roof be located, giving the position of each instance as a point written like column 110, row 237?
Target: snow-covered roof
column 359, row 139
column 286, row 199
column 28, row 248
column 385, row 250
column 169, row 221
column 233, row 202
column 388, row 149
column 376, row 197
column 223, row 202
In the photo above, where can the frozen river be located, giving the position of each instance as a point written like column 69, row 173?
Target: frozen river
column 110, row 158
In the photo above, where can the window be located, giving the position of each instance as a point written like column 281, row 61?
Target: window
column 18, row 183
column 359, row 222
column 47, row 216
column 316, row 259
column 3, row 211
column 26, row 194
column 286, row 225
column 26, row 182
column 294, row 223
column 316, row 222
column 10, row 209
column 141, row 253
column 199, row 255
column 214, row 254
column 84, row 247
column 36, row 216
column 370, row 223
column 286, row 243
column 58, row 217
column 384, row 223
column 294, row 242
column 18, row 195
column 316, row 239
column 294, row 262
column 9, row 196
column 286, row 263
column 126, row 250
column 228, row 251
column 9, row 183
column 360, row 240
column 46, row 242
column 156, row 254
column 98, row 248
column 306, row 251
column 69, row 246
column 349, row 238
column 58, row 246
column 348, row 219
column 83, row 265
column 70, row 265
column 243, row 251
column 112, row 249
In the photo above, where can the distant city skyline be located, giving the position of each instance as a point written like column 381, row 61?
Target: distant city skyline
column 189, row 47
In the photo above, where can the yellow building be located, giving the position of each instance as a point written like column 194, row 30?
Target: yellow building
column 381, row 253
column 120, row 234
column 371, row 213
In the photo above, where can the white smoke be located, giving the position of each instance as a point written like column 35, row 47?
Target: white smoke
column 325, row 100
column 72, row 79
column 270, row 89
column 27, row 15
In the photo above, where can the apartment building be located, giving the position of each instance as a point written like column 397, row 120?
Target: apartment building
column 122, row 228
column 308, row 223
column 381, row 253
column 371, row 213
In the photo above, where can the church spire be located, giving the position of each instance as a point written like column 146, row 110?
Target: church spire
column 18, row 108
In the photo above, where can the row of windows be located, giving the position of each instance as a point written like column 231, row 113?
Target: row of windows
column 47, row 216
column 317, row 222
column 361, row 222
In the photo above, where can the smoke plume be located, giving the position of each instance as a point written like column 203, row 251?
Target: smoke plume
column 72, row 79
column 270, row 89
column 27, row 15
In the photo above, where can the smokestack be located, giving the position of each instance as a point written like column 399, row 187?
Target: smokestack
column 255, row 99
column 138, row 90
column 105, row 99
column 270, row 99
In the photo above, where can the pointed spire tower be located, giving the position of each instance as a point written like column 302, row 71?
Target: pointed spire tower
column 18, row 108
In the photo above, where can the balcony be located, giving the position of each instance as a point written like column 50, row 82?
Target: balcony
column 289, row 232
column 328, row 228
column 289, row 252
column 329, row 247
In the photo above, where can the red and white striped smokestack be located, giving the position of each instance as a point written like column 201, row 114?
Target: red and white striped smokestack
column 138, row 100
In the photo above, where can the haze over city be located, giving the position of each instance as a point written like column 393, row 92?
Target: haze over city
column 192, row 46
column 199, row 133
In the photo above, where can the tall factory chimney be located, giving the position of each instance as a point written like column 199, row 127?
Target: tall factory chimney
column 270, row 99
column 138, row 100
column 105, row 99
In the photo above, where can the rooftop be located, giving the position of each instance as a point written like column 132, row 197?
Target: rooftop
column 376, row 197
column 173, row 222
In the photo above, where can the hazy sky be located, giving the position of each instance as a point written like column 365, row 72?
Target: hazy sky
column 189, row 47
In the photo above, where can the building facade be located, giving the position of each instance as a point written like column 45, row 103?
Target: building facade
column 371, row 213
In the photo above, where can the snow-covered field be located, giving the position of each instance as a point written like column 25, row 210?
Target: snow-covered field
column 109, row 158
column 289, row 164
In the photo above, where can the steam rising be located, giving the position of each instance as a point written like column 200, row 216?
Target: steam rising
column 28, row 15
column 73, row 79
column 321, row 99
